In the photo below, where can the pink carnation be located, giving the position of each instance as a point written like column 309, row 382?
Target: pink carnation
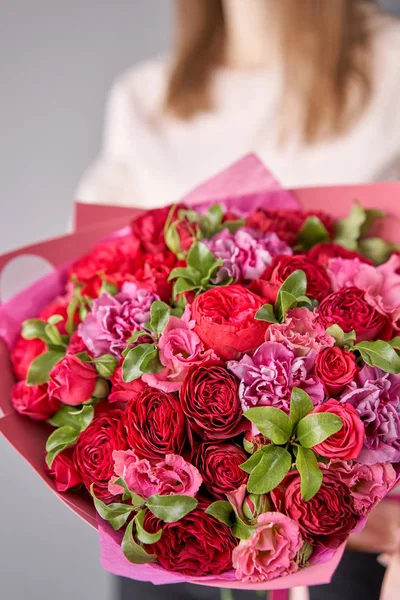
column 180, row 347
column 368, row 483
column 300, row 332
column 173, row 475
column 381, row 284
column 270, row 552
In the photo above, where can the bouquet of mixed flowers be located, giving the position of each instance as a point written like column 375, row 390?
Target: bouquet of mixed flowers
column 223, row 382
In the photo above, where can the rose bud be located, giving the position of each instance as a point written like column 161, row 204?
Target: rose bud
column 63, row 471
column 72, row 381
column 33, row 401
column 336, row 368
column 255, row 505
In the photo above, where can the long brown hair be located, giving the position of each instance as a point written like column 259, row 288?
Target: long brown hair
column 326, row 50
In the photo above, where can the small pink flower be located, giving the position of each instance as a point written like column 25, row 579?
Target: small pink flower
column 173, row 475
column 300, row 332
column 270, row 552
column 180, row 348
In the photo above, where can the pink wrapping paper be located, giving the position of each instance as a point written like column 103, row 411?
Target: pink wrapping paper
column 247, row 185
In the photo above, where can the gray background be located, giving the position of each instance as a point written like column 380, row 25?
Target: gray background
column 58, row 59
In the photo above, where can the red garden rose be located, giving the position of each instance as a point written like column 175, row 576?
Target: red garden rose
column 348, row 441
column 210, row 400
column 196, row 545
column 285, row 223
column 225, row 320
column 148, row 229
column 324, row 251
column 336, row 368
column 33, row 401
column 122, row 391
column 153, row 273
column 155, row 424
column 267, row 286
column 349, row 309
column 23, row 353
column 219, row 466
column 63, row 471
column 110, row 260
column 72, row 381
column 94, row 451
column 325, row 520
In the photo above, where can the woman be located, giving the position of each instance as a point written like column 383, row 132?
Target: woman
column 311, row 86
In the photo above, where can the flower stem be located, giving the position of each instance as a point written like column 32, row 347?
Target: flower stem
column 226, row 594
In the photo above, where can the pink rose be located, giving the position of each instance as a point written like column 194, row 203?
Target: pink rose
column 270, row 552
column 180, row 348
column 300, row 332
column 33, row 401
column 368, row 483
column 173, row 475
column 348, row 441
column 72, row 381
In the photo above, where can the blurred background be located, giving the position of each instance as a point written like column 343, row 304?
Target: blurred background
column 58, row 61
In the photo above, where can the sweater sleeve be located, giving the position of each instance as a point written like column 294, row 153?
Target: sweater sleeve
column 109, row 180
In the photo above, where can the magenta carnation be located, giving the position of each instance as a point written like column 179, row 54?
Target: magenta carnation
column 113, row 319
column 268, row 377
column 376, row 398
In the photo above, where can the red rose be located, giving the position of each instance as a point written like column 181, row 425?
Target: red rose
column 210, row 400
column 196, row 545
column 324, row 251
column 23, row 353
column 33, row 401
column 349, row 309
column 225, row 320
column 122, row 391
column 348, row 441
column 111, row 260
column 325, row 520
column 72, row 381
column 94, row 452
column 148, row 229
column 285, row 223
column 63, row 471
column 59, row 307
column 155, row 424
column 318, row 284
column 219, row 466
column 152, row 275
column 336, row 368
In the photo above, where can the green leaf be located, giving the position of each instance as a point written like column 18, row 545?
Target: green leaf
column 233, row 226
column 132, row 551
column 144, row 536
column 241, row 530
column 79, row 418
column 395, row 343
column 272, row 422
column 343, row 339
column 312, row 232
column 159, row 316
column 266, row 313
column 252, row 462
column 182, row 285
column 34, row 329
column 310, row 473
column 131, row 367
column 137, row 501
column 292, row 288
column 116, row 513
column 379, row 354
column 300, row 405
column 61, row 439
column 108, row 288
column 317, row 427
column 348, row 230
column 200, row 258
column 171, row 508
column 152, row 363
column 210, row 224
column 106, row 365
column 189, row 273
column 71, row 310
column 371, row 216
column 377, row 249
column 271, row 470
column 40, row 367
column 53, row 335
column 172, row 239
column 223, row 511
column 55, row 319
